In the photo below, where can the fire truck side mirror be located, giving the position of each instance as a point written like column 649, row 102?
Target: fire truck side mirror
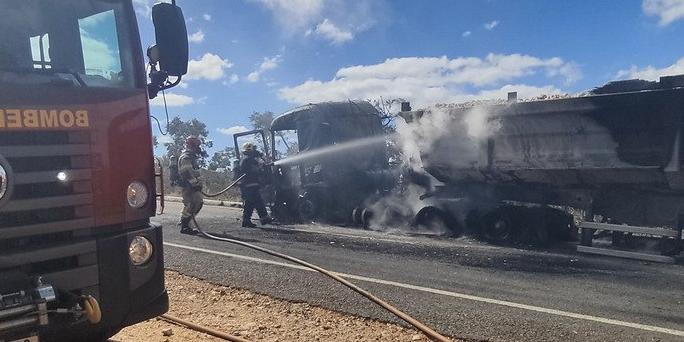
column 172, row 39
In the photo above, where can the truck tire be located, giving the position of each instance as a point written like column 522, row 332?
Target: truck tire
column 432, row 217
column 497, row 226
column 356, row 216
column 306, row 210
column 366, row 217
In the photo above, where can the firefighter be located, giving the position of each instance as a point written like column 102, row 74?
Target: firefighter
column 188, row 170
column 252, row 166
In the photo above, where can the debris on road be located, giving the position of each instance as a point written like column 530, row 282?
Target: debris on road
column 256, row 317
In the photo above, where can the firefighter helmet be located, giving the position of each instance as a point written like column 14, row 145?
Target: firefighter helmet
column 248, row 147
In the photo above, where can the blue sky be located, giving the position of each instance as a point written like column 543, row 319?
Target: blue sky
column 255, row 55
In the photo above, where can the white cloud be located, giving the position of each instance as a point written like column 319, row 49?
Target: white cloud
column 669, row 11
column 269, row 63
column 652, row 73
column 491, row 25
column 253, row 76
column 429, row 80
column 196, row 37
column 234, row 78
column 232, row 130
column 466, row 34
column 206, row 16
column 294, row 15
column 335, row 20
column 172, row 100
column 327, row 30
column 209, row 67
column 100, row 56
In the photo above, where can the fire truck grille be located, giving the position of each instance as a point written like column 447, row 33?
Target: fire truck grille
column 45, row 225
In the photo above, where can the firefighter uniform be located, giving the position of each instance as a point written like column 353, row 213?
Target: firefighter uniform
column 252, row 166
column 188, row 170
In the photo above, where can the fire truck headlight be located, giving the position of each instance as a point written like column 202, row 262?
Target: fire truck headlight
column 140, row 250
column 62, row 176
column 137, row 195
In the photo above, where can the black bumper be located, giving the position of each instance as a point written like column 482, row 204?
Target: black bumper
column 127, row 294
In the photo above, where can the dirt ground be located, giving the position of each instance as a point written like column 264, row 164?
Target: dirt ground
column 256, row 317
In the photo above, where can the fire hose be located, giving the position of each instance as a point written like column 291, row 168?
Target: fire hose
column 431, row 333
column 224, row 190
column 202, row 329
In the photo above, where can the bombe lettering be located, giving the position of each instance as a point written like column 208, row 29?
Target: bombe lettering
column 14, row 119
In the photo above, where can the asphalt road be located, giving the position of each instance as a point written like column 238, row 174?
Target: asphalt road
column 463, row 288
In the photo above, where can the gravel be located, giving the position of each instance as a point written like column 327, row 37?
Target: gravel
column 256, row 317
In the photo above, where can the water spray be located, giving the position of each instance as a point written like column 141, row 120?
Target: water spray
column 347, row 146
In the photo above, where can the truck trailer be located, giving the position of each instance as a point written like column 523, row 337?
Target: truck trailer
column 613, row 154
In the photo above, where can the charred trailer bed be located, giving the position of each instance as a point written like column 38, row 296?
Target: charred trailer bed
column 617, row 155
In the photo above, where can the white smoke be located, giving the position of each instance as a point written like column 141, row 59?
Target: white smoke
column 451, row 135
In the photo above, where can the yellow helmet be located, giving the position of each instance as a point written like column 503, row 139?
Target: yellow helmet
column 248, row 147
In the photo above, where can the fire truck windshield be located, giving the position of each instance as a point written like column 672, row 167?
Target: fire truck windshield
column 66, row 43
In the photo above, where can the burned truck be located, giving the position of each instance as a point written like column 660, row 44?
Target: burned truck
column 328, row 159
column 615, row 154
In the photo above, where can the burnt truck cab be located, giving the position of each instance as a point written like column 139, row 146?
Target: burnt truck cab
column 337, row 160
column 77, row 173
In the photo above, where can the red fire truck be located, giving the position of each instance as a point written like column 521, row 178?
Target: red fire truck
column 79, row 257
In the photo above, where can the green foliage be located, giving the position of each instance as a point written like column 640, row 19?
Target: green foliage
column 179, row 130
column 222, row 160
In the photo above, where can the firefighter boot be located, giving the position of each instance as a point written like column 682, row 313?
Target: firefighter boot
column 266, row 220
column 248, row 224
column 185, row 226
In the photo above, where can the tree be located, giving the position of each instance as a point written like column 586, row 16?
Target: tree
column 387, row 110
column 222, row 160
column 155, row 141
column 179, row 130
column 262, row 120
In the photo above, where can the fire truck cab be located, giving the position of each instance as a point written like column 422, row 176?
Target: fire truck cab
column 79, row 256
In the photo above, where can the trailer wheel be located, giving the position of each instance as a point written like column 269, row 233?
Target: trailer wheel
column 497, row 226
